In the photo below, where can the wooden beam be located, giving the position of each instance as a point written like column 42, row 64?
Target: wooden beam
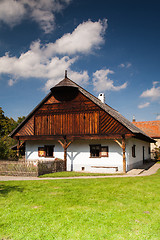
column 74, row 137
column 18, row 146
column 21, row 143
column 120, row 144
column 65, row 145
column 124, row 154
column 123, row 146
column 61, row 143
column 69, row 144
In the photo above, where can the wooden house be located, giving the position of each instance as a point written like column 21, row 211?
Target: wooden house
column 72, row 124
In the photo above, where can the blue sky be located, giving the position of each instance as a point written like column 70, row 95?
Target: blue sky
column 107, row 46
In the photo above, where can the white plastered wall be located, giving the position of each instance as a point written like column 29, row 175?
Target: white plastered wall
column 134, row 162
column 78, row 155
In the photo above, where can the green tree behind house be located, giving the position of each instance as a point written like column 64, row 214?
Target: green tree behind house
column 6, row 126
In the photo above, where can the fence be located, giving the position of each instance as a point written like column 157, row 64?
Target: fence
column 21, row 168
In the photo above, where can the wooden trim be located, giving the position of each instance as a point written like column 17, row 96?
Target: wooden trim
column 73, row 137
column 18, row 147
column 120, row 144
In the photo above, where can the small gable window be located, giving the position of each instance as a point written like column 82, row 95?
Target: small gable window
column 134, row 151
column 46, row 151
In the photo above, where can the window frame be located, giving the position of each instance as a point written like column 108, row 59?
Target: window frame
column 41, row 152
column 95, row 145
column 100, row 151
column 107, row 151
column 45, row 149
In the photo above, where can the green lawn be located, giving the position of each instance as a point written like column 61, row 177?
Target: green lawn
column 111, row 208
column 75, row 174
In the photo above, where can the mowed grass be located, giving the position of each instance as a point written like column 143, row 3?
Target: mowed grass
column 110, row 208
column 74, row 174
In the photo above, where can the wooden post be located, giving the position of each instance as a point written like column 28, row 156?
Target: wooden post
column 65, row 145
column 123, row 146
column 18, row 146
column 124, row 153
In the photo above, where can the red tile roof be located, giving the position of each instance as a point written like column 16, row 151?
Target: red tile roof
column 151, row 128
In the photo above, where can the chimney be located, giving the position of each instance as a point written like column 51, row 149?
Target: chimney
column 101, row 97
column 133, row 119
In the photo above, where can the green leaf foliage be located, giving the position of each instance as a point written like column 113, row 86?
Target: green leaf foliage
column 7, row 125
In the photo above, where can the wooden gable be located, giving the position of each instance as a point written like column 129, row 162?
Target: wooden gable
column 79, row 117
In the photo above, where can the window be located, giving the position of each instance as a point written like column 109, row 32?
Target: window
column 95, row 150
column 41, row 152
column 104, row 151
column 46, row 151
column 98, row 151
column 134, row 151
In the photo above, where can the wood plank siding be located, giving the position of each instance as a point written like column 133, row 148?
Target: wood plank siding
column 109, row 125
column 67, row 124
column 28, row 129
column 78, row 117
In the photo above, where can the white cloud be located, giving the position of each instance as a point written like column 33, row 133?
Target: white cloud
column 11, row 12
column 125, row 65
column 121, row 65
column 11, row 82
column 153, row 93
column 83, row 39
column 143, row 105
column 102, row 82
column 41, row 61
column 128, row 65
column 43, row 12
column 158, row 117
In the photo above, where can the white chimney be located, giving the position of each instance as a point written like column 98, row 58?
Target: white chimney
column 101, row 97
column 134, row 119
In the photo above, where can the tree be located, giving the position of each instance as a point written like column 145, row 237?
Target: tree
column 2, row 118
column 6, row 126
